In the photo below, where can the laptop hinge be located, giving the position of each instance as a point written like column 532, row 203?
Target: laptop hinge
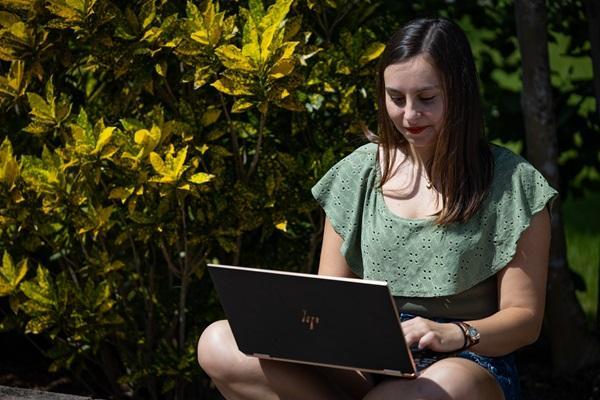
column 387, row 371
column 259, row 355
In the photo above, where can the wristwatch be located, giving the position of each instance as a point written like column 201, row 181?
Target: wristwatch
column 471, row 333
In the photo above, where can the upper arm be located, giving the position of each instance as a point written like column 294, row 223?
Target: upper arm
column 522, row 283
column 332, row 261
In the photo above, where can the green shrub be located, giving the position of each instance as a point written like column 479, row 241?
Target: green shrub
column 145, row 139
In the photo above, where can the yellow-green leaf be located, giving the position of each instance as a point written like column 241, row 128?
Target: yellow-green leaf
column 148, row 139
column 202, row 149
column 11, row 275
column 147, row 13
column 7, row 19
column 39, row 324
column 282, row 225
column 252, row 51
column 39, row 290
column 241, row 105
column 9, row 168
column 282, row 68
column 179, row 161
column 201, row 178
column 200, row 36
column 161, row 69
column 267, row 41
column 13, row 86
column 287, row 49
column 103, row 139
column 158, row 164
column 228, row 87
column 171, row 168
column 39, row 107
column 201, row 76
column 121, row 193
column 152, row 34
column 232, row 58
column 373, row 51
column 275, row 14
column 210, row 116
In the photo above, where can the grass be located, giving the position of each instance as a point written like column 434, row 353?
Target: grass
column 582, row 230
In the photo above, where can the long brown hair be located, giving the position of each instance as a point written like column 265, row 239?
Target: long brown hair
column 462, row 162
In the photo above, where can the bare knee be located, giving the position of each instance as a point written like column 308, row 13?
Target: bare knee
column 417, row 389
column 464, row 379
column 445, row 380
column 217, row 351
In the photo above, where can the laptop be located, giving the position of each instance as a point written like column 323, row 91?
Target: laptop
column 314, row 319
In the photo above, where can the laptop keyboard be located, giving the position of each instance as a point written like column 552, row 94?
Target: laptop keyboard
column 422, row 362
column 424, row 358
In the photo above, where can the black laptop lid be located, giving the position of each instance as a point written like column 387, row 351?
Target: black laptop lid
column 348, row 323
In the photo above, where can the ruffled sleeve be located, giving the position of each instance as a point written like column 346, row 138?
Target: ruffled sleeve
column 343, row 193
column 520, row 191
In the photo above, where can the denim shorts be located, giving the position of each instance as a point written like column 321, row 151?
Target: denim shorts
column 503, row 368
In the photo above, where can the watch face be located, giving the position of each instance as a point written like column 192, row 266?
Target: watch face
column 473, row 333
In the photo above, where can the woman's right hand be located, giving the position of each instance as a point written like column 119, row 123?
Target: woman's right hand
column 435, row 336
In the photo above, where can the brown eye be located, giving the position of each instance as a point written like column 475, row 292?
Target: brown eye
column 397, row 100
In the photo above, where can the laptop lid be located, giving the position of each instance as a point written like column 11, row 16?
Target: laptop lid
column 313, row 319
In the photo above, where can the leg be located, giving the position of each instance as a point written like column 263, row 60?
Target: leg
column 447, row 379
column 238, row 376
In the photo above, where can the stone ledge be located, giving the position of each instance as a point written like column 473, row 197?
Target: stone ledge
column 11, row 393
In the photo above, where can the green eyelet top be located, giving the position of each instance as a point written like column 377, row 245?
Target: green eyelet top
column 415, row 256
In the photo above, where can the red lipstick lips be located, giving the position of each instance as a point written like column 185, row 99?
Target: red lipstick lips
column 416, row 129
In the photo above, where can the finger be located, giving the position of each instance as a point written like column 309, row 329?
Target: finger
column 429, row 340
column 421, row 324
column 413, row 336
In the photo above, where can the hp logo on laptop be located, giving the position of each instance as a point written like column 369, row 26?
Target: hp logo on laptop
column 311, row 320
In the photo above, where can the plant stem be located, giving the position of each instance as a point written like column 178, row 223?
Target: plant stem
column 261, row 130
column 234, row 141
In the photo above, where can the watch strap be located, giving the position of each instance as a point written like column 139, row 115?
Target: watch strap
column 469, row 339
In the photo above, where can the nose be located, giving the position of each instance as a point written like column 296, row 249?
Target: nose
column 411, row 113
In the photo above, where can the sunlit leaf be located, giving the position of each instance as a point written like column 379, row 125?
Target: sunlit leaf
column 282, row 68
column 241, row 105
column 10, row 274
column 201, row 178
column 103, row 139
column 232, row 58
column 39, row 324
column 210, row 116
column 229, row 87
column 371, row 53
column 121, row 193
column 147, row 13
column 40, row 289
column 282, row 225
column 9, row 168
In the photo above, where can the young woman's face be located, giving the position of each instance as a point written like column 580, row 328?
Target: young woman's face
column 414, row 100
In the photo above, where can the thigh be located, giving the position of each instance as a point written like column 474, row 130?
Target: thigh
column 448, row 379
column 238, row 375
column 355, row 384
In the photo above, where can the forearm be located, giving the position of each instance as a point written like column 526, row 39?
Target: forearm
column 506, row 331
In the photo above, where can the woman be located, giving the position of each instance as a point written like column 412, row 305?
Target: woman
column 458, row 228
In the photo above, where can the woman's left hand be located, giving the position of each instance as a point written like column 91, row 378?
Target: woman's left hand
column 440, row 337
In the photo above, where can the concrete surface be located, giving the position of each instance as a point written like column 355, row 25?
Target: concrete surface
column 10, row 393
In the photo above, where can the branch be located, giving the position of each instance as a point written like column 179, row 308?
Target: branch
column 185, row 280
column 261, row 129
column 167, row 257
column 234, row 142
